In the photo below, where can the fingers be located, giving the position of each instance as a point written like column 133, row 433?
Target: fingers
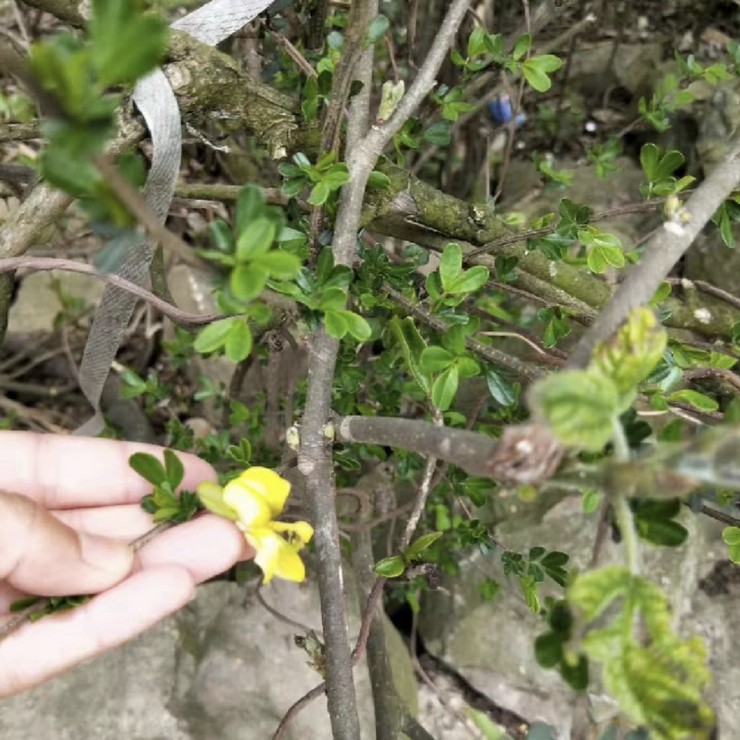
column 41, row 555
column 40, row 650
column 125, row 522
column 64, row 471
column 205, row 547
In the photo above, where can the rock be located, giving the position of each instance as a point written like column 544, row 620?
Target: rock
column 37, row 305
column 490, row 643
column 223, row 667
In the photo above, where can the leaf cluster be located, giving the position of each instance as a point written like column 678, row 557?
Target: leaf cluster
column 164, row 503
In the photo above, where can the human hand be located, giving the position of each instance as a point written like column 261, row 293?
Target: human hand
column 68, row 508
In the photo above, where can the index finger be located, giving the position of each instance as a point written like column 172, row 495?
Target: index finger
column 62, row 472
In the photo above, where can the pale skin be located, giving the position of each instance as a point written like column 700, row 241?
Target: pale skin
column 69, row 506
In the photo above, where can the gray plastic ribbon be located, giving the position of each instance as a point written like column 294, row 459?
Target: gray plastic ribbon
column 153, row 96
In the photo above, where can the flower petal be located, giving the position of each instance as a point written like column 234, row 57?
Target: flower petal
column 299, row 533
column 211, row 495
column 275, row 556
column 251, row 508
column 267, row 484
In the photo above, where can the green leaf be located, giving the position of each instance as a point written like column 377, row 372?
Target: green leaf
column 376, row 28
column 250, row 204
column 445, row 388
column 391, row 567
column 255, row 239
column 667, row 532
column 500, row 388
column 332, row 299
column 336, row 176
column 579, row 406
column 467, row 367
column 668, row 164
column 630, row 356
column 335, row 324
column 356, row 325
column 573, row 216
column 412, row 346
column 417, row 547
column 594, row 591
column 280, row 265
column 477, row 42
column 435, row 359
column 319, row 193
column 238, row 343
column 591, row 501
column 438, row 134
column 693, row 398
column 221, row 236
column 247, row 281
column 649, row 155
column 450, row 265
column 470, row 280
column 148, row 467
column 174, row 468
column 522, row 46
column 124, row 42
column 548, row 650
column 211, row 496
column 378, row 180
column 536, row 69
column 213, row 336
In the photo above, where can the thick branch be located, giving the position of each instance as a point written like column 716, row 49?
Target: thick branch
column 663, row 251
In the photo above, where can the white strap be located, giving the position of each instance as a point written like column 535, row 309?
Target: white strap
column 153, row 96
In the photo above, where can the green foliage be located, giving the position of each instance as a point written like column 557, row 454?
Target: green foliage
column 396, row 565
column 582, row 406
column 659, row 172
column 531, row 570
column 603, row 156
column 630, row 356
column 53, row 605
column 122, row 44
column 727, row 215
column 654, row 521
column 324, row 178
column 537, row 70
column 325, row 293
column 485, row 49
column 164, row 503
column 667, row 98
column 248, row 251
column 731, row 537
column 452, row 102
column 658, row 678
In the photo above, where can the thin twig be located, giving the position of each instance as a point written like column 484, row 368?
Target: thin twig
column 53, row 263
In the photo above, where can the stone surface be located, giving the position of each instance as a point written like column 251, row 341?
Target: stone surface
column 224, row 667
column 491, row 643
column 37, row 304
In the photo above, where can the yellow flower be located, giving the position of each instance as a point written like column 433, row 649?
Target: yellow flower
column 253, row 500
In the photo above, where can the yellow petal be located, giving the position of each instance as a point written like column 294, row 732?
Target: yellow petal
column 211, row 495
column 268, row 485
column 275, row 556
column 250, row 507
column 300, row 531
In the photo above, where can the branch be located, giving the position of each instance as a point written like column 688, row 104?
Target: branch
column 314, row 458
column 663, row 251
column 183, row 318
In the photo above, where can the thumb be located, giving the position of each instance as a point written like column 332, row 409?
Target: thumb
column 42, row 556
